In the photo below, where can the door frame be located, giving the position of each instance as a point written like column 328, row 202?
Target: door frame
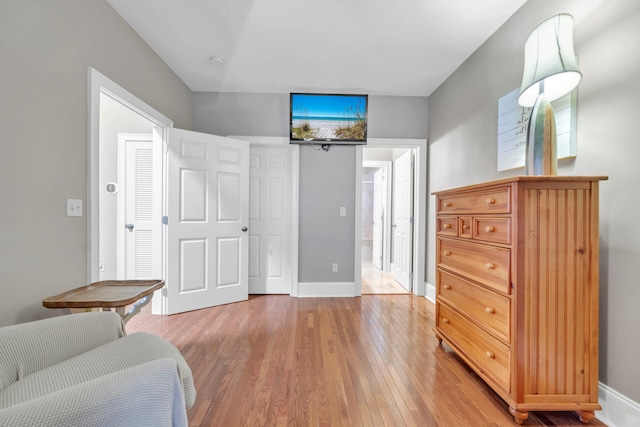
column 386, row 232
column 418, row 284
column 98, row 84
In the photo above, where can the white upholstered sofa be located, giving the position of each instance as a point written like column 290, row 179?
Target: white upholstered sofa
column 83, row 370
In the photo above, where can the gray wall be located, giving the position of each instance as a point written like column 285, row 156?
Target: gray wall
column 327, row 182
column 253, row 114
column 45, row 49
column 463, row 145
column 327, row 179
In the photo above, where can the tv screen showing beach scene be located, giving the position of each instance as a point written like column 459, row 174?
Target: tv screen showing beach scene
column 328, row 118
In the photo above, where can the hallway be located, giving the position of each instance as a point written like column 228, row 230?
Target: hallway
column 377, row 282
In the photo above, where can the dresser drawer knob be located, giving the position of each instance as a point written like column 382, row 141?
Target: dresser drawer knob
column 490, row 201
column 489, row 229
column 490, row 266
column 447, row 286
column 489, row 310
column 446, row 253
column 445, row 320
column 447, row 204
column 446, row 226
column 490, row 355
column 465, row 227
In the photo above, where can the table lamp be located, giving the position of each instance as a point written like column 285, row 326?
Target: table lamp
column 550, row 71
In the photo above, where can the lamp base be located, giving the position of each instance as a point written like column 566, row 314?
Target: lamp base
column 541, row 156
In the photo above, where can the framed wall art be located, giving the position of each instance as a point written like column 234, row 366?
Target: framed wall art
column 513, row 121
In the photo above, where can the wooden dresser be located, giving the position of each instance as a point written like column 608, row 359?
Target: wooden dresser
column 517, row 288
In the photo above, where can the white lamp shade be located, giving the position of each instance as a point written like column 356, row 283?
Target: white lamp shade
column 549, row 58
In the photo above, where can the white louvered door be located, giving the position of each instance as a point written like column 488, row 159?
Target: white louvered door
column 142, row 215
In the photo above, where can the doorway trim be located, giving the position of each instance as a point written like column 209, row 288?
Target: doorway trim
column 418, row 285
column 98, row 84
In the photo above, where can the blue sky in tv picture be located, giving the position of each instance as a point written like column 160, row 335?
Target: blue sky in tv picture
column 327, row 106
column 328, row 117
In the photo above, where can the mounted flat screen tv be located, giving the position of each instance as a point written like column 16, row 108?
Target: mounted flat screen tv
column 327, row 119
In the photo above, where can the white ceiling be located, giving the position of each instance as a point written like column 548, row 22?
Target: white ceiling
column 376, row 47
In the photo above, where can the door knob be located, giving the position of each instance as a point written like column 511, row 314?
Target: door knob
column 244, row 228
column 129, row 227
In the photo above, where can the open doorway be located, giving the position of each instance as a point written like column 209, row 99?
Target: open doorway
column 114, row 112
column 381, row 192
column 390, row 216
column 202, row 258
column 129, row 195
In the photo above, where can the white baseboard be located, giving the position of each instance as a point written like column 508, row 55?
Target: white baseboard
column 617, row 409
column 430, row 293
column 326, row 289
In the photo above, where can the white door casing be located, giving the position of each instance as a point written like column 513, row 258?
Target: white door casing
column 419, row 149
column 269, row 219
column 99, row 85
column 402, row 219
column 208, row 207
column 379, row 201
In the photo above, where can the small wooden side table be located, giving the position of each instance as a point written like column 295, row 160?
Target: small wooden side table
column 106, row 295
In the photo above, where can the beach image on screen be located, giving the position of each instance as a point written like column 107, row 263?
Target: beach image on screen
column 336, row 117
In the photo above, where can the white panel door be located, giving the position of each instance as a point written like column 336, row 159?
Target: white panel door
column 269, row 216
column 401, row 265
column 208, row 206
column 378, row 216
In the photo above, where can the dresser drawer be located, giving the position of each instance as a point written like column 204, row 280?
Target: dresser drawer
column 448, row 225
column 491, row 310
column 464, row 226
column 492, row 229
column 485, row 264
column 488, row 201
column 490, row 355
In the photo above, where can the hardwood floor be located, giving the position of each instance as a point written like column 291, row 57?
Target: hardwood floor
column 375, row 281
column 371, row 360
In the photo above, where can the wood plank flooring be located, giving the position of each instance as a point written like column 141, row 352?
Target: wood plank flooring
column 375, row 281
column 371, row 361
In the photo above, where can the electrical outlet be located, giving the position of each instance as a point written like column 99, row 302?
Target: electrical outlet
column 334, row 268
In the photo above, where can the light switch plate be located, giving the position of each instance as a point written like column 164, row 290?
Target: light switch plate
column 343, row 211
column 74, row 207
